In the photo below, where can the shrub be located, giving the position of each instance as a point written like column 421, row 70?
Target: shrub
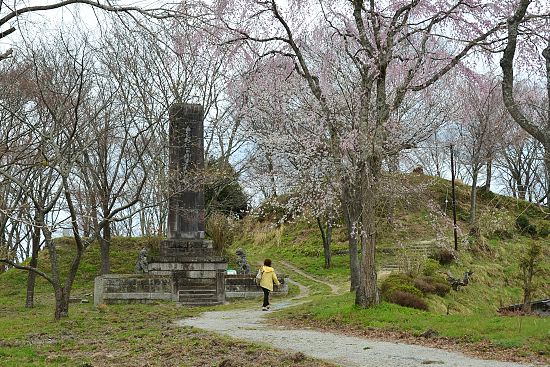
column 442, row 289
column 395, row 280
column 424, row 286
column 524, row 226
column 544, row 230
column 440, row 285
column 398, row 283
column 220, row 229
column 443, row 255
column 522, row 222
column 408, row 300
column 430, row 267
column 432, row 285
column 406, row 288
column 222, row 191
column 502, row 234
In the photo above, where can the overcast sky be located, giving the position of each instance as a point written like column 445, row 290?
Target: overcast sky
column 29, row 25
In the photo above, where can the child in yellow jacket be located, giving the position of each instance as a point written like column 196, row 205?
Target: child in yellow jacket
column 268, row 279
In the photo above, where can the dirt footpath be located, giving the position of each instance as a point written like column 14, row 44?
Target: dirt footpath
column 342, row 350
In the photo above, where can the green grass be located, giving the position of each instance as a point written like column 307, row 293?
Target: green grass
column 122, row 335
column 115, row 335
column 504, row 331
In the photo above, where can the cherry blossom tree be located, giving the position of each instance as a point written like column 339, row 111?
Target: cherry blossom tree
column 533, row 42
column 360, row 61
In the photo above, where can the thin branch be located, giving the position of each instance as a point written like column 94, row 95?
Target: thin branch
column 28, row 268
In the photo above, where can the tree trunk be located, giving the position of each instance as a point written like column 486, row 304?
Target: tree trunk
column 31, row 276
column 489, row 176
column 547, row 171
column 326, row 238
column 367, row 293
column 61, row 308
column 105, row 244
column 351, row 217
column 353, row 256
column 527, row 286
column 326, row 248
column 143, row 224
column 473, row 202
column 270, row 168
column 522, row 190
column 61, row 304
column 526, row 300
column 514, row 193
column 538, row 132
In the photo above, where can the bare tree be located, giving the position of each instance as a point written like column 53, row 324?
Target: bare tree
column 176, row 62
column 112, row 169
column 11, row 12
column 12, row 197
column 519, row 161
column 60, row 80
column 481, row 129
column 537, row 36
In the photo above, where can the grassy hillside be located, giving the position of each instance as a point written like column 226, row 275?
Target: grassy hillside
column 123, row 259
column 423, row 216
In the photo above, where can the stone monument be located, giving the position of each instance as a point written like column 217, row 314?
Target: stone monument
column 141, row 265
column 242, row 262
column 197, row 273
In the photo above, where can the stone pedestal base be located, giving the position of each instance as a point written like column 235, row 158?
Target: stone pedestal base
column 198, row 276
column 186, row 248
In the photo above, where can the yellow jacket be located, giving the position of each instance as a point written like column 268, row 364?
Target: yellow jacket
column 268, row 278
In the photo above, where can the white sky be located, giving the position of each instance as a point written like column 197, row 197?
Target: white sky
column 32, row 24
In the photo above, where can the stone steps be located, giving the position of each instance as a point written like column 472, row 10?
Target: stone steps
column 422, row 249
column 197, row 303
column 198, row 296
column 197, row 292
column 390, row 266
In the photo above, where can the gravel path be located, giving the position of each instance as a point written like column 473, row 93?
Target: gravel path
column 341, row 350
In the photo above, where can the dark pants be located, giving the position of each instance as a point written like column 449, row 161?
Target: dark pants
column 266, row 297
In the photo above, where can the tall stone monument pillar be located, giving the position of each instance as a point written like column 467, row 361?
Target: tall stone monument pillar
column 198, row 275
column 186, row 203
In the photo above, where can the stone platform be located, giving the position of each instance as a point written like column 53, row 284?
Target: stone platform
column 148, row 288
column 132, row 288
column 197, row 274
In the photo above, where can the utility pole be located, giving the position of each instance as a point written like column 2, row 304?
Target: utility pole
column 454, row 198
